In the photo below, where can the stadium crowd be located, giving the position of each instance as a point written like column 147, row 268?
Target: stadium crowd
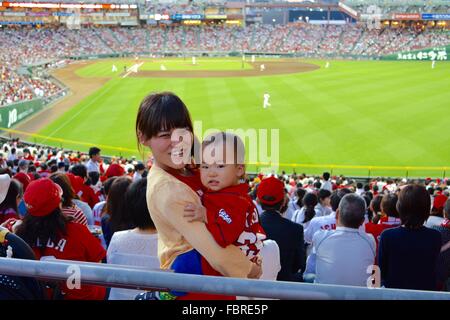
column 35, row 45
column 17, row 88
column 26, row 46
column 321, row 229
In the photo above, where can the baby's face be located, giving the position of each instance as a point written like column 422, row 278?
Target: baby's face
column 217, row 176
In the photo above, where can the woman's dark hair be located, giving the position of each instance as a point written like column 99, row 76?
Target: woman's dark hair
column 389, row 205
column 323, row 194
column 63, row 181
column 376, row 203
column 309, row 202
column 139, row 167
column 367, row 198
column 79, row 170
column 336, row 197
column 51, row 227
column 116, row 206
column 273, row 207
column 94, row 176
column 369, row 195
column 136, row 201
column 106, row 188
column 413, row 205
column 107, row 184
column 15, row 190
column 300, row 194
column 161, row 112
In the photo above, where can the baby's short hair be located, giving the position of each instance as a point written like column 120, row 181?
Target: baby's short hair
column 225, row 147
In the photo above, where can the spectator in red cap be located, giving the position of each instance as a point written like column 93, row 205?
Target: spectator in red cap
column 23, row 178
column 68, row 207
column 22, row 175
column 287, row 234
column 114, row 170
column 437, row 211
column 88, row 195
column 77, row 185
column 50, row 233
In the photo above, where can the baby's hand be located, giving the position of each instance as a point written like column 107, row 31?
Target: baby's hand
column 195, row 213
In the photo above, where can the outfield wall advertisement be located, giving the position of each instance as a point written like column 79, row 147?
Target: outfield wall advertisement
column 431, row 54
column 15, row 113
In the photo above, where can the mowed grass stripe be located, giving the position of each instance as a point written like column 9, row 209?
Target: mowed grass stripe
column 355, row 112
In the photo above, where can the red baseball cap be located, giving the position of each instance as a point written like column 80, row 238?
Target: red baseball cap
column 23, row 178
column 76, row 183
column 439, row 201
column 115, row 170
column 270, row 191
column 42, row 197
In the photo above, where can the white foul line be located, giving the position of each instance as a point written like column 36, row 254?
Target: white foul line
column 134, row 68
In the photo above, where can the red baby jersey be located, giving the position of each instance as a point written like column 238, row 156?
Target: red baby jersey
column 233, row 219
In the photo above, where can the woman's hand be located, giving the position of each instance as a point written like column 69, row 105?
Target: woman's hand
column 195, row 213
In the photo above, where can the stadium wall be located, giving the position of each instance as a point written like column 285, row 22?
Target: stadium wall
column 12, row 114
column 438, row 54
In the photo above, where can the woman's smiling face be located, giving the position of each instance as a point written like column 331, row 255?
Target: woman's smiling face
column 170, row 148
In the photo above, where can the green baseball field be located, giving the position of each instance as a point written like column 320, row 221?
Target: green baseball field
column 354, row 118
